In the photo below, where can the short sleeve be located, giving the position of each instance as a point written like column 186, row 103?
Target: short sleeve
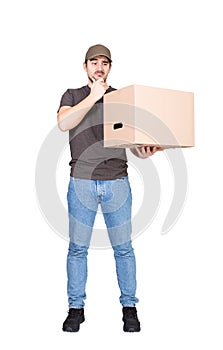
column 66, row 99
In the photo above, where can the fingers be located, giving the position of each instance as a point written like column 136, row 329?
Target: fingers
column 156, row 148
column 101, row 80
column 143, row 152
column 98, row 88
column 148, row 151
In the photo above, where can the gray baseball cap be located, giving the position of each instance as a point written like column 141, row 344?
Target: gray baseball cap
column 98, row 50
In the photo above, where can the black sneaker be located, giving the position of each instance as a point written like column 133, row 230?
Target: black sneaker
column 130, row 319
column 74, row 319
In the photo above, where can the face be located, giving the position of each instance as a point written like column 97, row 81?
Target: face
column 98, row 67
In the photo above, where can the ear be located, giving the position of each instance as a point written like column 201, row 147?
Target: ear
column 85, row 66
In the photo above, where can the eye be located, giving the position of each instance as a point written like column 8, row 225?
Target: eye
column 93, row 62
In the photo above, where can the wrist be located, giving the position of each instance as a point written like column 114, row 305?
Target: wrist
column 95, row 96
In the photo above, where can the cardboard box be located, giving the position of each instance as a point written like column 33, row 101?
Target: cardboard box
column 143, row 115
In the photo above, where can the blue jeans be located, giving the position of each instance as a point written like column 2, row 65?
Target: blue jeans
column 115, row 199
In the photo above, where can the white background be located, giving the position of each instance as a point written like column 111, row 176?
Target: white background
column 170, row 44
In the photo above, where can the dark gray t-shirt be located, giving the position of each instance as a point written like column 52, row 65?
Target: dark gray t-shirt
column 89, row 158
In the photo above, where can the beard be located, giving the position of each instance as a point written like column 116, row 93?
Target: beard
column 96, row 77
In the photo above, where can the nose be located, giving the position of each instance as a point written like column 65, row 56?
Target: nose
column 99, row 65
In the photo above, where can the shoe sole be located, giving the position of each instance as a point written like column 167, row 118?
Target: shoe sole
column 131, row 330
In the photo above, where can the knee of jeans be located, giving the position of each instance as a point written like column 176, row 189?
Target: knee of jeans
column 77, row 250
column 124, row 249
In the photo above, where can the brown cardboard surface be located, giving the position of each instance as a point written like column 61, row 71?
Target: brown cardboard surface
column 143, row 115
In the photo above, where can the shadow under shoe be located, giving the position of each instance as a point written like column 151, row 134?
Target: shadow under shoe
column 130, row 319
column 74, row 319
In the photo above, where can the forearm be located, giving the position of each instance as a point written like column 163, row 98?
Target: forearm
column 69, row 117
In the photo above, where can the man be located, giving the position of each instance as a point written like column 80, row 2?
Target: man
column 98, row 176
